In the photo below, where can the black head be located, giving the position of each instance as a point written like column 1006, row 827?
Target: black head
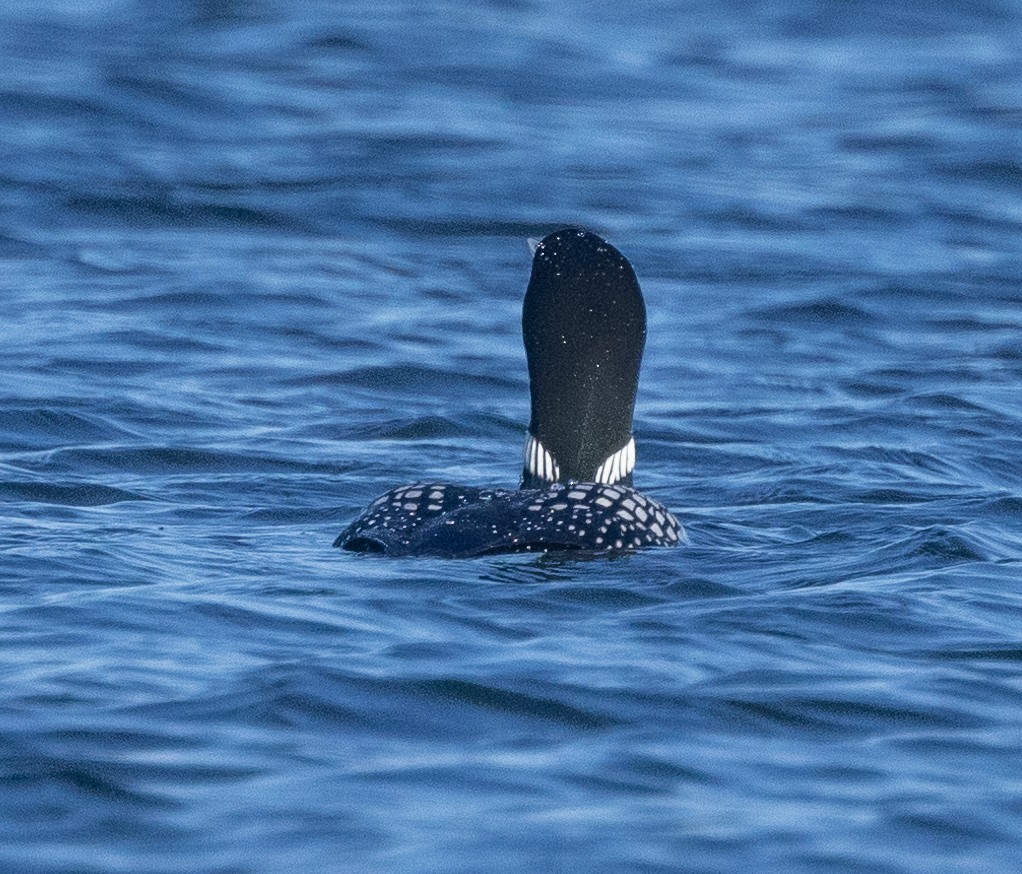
column 584, row 325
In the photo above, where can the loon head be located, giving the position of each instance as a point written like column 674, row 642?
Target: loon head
column 584, row 326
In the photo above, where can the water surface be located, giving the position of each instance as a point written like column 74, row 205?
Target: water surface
column 260, row 263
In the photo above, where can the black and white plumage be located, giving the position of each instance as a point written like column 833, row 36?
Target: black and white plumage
column 459, row 521
column 584, row 327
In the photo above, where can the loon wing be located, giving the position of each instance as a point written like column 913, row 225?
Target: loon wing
column 458, row 522
column 391, row 524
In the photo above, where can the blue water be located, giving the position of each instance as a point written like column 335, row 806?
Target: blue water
column 261, row 261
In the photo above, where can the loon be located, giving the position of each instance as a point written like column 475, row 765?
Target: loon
column 584, row 327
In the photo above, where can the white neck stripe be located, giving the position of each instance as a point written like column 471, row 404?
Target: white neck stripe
column 540, row 463
column 618, row 465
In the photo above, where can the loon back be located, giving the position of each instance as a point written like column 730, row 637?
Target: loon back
column 453, row 521
column 584, row 327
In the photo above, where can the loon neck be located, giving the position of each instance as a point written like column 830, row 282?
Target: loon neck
column 540, row 468
column 584, row 327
